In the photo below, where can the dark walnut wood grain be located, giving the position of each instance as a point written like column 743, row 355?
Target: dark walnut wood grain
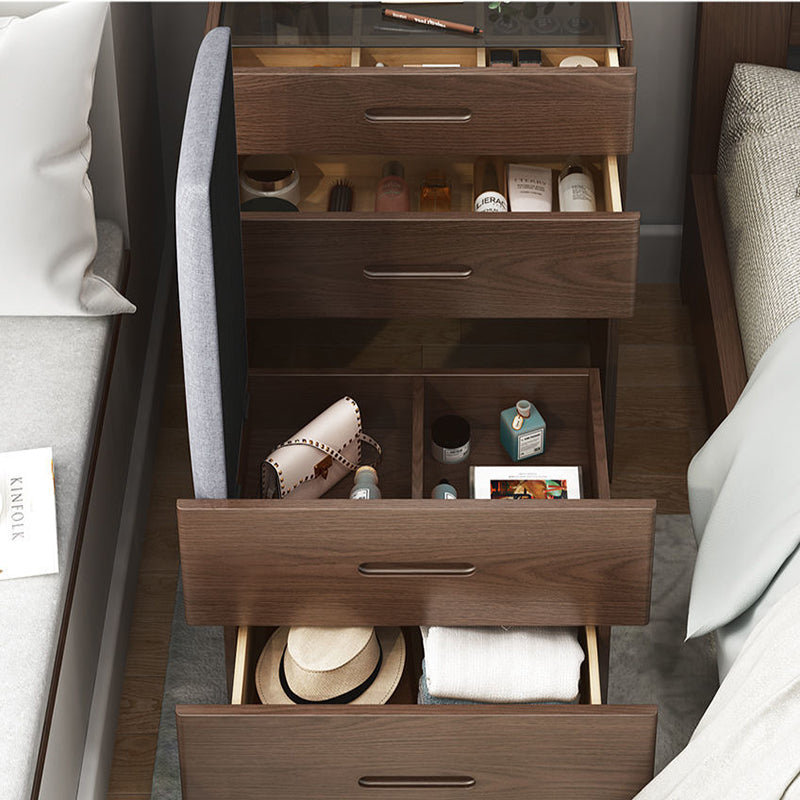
column 625, row 34
column 513, row 752
column 708, row 290
column 262, row 562
column 520, row 265
column 727, row 33
column 547, row 110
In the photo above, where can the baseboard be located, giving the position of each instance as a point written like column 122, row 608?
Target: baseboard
column 659, row 253
column 100, row 736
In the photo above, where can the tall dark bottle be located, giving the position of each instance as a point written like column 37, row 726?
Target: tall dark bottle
column 489, row 185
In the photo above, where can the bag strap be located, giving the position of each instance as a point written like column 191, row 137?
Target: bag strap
column 335, row 454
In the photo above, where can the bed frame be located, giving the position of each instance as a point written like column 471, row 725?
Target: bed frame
column 727, row 33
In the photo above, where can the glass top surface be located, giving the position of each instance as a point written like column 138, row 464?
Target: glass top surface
column 344, row 24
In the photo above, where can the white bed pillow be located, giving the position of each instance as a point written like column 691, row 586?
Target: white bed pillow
column 48, row 237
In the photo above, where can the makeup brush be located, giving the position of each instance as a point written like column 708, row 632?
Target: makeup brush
column 341, row 196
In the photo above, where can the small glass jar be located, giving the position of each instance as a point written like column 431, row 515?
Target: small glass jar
column 270, row 176
column 450, row 439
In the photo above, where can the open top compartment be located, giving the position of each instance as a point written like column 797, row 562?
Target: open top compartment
column 397, row 410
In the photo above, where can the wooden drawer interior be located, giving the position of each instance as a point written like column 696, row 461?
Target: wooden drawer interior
column 250, row 642
column 398, row 409
column 368, row 57
column 319, row 172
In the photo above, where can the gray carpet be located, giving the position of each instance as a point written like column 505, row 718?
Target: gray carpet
column 195, row 674
column 653, row 664
column 649, row 664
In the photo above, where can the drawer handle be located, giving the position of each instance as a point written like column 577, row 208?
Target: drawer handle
column 417, row 114
column 431, row 273
column 386, row 569
column 423, row 782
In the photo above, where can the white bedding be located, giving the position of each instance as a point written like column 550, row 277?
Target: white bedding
column 744, row 492
column 747, row 745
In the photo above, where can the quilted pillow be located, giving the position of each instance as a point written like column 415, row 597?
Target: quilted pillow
column 758, row 183
column 48, row 237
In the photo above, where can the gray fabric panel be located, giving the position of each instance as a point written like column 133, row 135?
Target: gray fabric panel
column 758, row 179
column 210, row 279
column 53, row 374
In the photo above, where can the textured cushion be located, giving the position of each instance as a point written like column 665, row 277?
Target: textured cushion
column 758, row 180
column 210, row 277
column 47, row 223
column 53, row 375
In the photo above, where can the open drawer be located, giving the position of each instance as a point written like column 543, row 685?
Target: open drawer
column 361, row 91
column 406, row 560
column 284, row 102
column 457, row 263
column 248, row 751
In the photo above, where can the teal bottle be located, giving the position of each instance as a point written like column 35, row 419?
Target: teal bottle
column 522, row 431
column 444, row 490
column 365, row 485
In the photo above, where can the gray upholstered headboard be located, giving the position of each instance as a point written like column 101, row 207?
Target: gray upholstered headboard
column 210, row 279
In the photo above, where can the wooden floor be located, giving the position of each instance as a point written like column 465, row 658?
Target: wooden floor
column 660, row 424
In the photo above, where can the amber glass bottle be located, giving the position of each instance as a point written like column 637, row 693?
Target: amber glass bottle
column 435, row 194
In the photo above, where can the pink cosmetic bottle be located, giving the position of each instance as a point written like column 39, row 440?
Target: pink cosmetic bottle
column 392, row 192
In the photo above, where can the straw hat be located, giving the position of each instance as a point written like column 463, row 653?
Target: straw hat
column 330, row 665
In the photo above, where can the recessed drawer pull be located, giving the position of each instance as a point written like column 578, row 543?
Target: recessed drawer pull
column 424, row 782
column 432, row 273
column 385, row 569
column 417, row 114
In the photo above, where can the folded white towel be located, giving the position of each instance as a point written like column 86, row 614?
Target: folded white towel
column 497, row 665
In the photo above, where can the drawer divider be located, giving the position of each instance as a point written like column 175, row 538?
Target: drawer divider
column 417, row 436
column 242, row 668
column 592, row 656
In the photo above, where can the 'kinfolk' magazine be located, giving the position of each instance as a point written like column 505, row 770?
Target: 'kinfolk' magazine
column 28, row 541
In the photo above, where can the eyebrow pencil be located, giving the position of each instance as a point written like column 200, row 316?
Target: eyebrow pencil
column 436, row 23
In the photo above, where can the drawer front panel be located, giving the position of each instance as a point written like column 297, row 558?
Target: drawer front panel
column 362, row 110
column 378, row 752
column 455, row 265
column 412, row 562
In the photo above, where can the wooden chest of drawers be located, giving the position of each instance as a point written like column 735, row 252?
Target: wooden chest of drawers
column 406, row 560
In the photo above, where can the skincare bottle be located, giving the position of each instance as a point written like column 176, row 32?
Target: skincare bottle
column 522, row 431
column 365, row 485
column 435, row 193
column 392, row 192
column 444, row 490
column 489, row 185
column 576, row 188
column 530, row 188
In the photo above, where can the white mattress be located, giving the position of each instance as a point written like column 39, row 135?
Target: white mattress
column 53, row 373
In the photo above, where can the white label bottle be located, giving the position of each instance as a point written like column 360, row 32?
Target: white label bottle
column 576, row 189
column 488, row 185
